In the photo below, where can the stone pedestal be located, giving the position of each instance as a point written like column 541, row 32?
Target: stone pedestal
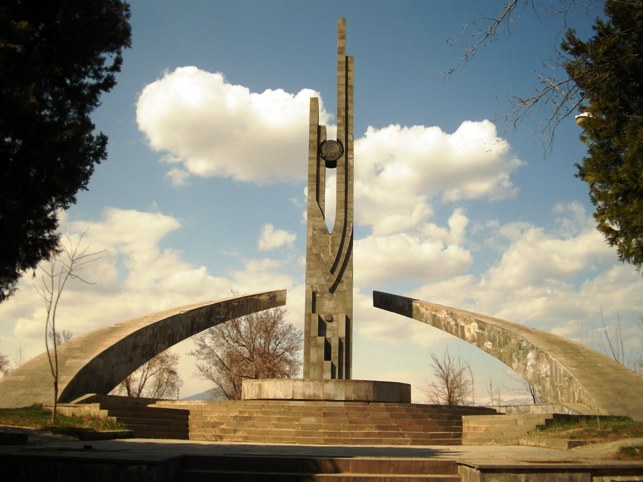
column 326, row 390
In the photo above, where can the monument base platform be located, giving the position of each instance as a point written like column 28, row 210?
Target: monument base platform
column 326, row 390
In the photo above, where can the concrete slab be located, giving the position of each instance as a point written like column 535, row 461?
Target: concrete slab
column 43, row 443
column 160, row 460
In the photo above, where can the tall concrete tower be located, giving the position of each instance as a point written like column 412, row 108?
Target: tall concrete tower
column 329, row 255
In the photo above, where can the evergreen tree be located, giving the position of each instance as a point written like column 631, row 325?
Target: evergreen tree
column 56, row 59
column 608, row 69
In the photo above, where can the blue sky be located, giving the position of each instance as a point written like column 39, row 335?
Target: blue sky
column 203, row 190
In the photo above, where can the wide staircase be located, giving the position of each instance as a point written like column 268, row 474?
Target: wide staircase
column 363, row 469
column 149, row 421
column 327, row 423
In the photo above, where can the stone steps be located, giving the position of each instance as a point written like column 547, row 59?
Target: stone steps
column 328, row 423
column 258, row 468
column 150, row 421
column 334, row 438
column 352, row 423
column 367, row 425
column 499, row 429
column 329, row 417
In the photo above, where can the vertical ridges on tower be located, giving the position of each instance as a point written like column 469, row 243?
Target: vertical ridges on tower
column 329, row 260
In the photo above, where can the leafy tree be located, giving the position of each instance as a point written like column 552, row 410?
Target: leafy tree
column 452, row 380
column 259, row 345
column 158, row 378
column 56, row 59
column 608, row 70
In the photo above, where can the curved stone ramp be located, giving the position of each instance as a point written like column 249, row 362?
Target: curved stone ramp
column 561, row 370
column 97, row 361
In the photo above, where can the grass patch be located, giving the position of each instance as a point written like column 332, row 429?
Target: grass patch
column 591, row 428
column 632, row 452
column 38, row 417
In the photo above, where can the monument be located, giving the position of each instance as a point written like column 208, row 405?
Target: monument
column 327, row 406
column 329, row 255
column 328, row 322
column 557, row 367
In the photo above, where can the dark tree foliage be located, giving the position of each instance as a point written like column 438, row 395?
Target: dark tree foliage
column 608, row 69
column 56, row 59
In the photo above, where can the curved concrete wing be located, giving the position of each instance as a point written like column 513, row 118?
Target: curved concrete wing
column 561, row 370
column 97, row 361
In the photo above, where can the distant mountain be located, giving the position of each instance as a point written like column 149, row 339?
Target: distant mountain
column 206, row 395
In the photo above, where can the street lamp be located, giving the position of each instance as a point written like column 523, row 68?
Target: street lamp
column 581, row 119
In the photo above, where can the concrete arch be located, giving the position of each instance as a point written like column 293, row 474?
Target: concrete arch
column 561, row 370
column 97, row 361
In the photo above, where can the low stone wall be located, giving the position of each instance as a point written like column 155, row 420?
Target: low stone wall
column 546, row 472
column 86, row 410
column 539, row 408
column 329, row 390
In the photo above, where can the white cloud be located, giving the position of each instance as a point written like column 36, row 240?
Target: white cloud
column 261, row 275
column 209, row 127
column 206, row 127
column 178, row 176
column 558, row 279
column 536, row 255
column 272, row 238
column 401, row 257
column 133, row 277
column 472, row 162
column 455, row 232
column 378, row 325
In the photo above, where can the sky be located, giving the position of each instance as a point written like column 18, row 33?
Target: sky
column 203, row 190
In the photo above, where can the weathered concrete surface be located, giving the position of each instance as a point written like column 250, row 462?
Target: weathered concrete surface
column 329, row 390
column 328, row 325
column 97, row 361
column 561, row 370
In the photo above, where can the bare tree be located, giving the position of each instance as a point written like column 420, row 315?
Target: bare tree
column 489, row 31
column 157, row 378
column 523, row 388
column 639, row 361
column 562, row 95
column 64, row 266
column 17, row 357
column 259, row 345
column 533, row 393
column 494, row 392
column 612, row 344
column 5, row 366
column 64, row 336
column 452, row 380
